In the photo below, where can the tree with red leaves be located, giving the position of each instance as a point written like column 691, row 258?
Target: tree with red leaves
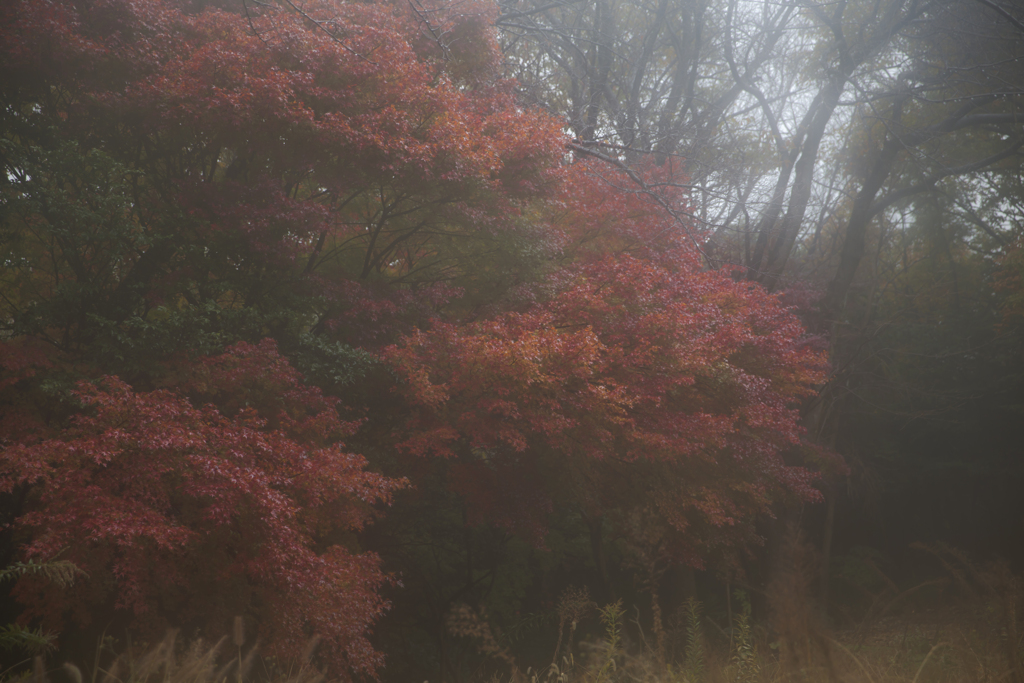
column 205, row 510
column 640, row 381
column 183, row 178
column 187, row 181
column 172, row 173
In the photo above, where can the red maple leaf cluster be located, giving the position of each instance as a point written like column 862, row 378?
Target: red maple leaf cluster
column 211, row 507
column 638, row 365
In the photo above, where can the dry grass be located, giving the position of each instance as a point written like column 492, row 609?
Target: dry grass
column 967, row 631
column 968, row 641
column 915, row 648
column 172, row 662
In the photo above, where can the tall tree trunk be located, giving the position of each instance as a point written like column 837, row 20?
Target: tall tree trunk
column 802, row 183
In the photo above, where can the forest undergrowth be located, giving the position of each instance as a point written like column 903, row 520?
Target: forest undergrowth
column 962, row 626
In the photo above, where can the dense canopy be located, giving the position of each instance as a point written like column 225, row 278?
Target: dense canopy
column 202, row 202
column 311, row 314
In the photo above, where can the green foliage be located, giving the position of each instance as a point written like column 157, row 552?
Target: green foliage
column 15, row 637
column 60, row 572
column 331, row 364
column 694, row 664
column 611, row 617
column 745, row 663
